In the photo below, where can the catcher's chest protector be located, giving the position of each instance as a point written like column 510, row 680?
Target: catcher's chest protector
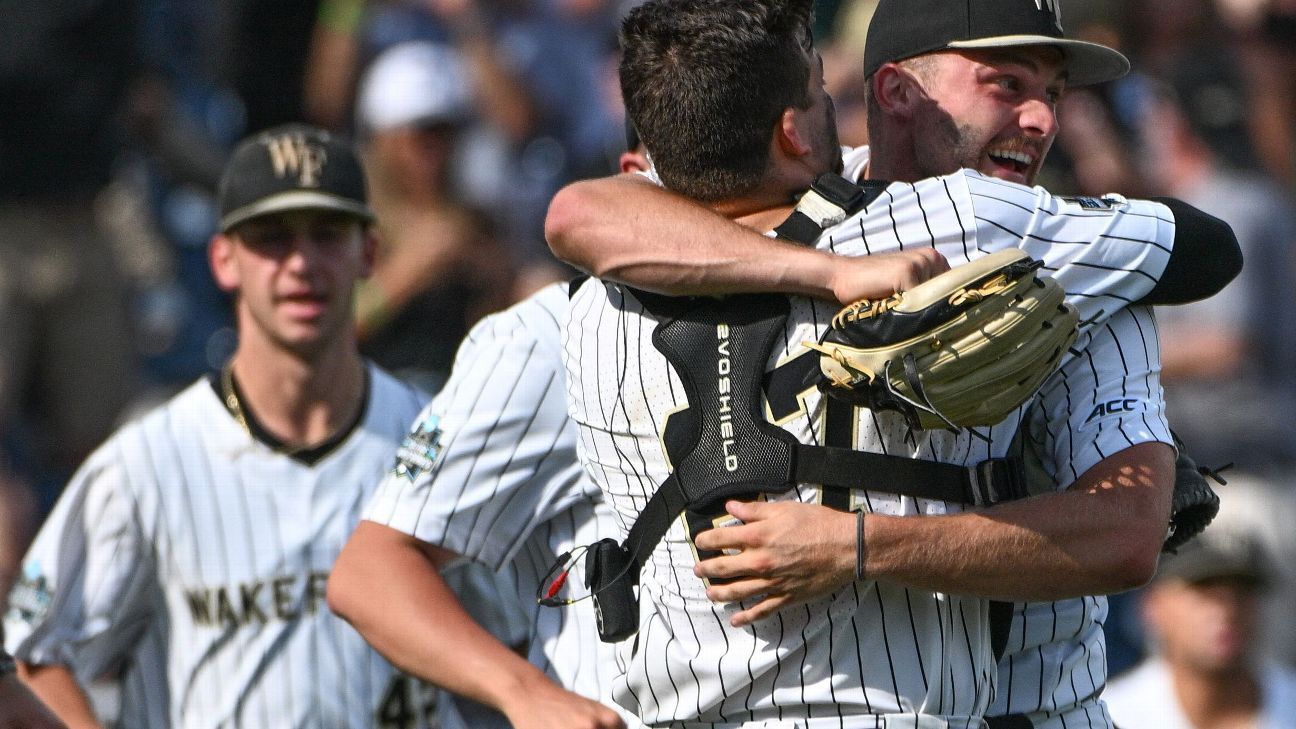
column 721, row 446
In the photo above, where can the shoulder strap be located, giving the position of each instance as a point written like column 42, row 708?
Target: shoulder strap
column 830, row 199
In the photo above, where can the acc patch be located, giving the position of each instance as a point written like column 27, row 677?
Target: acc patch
column 30, row 599
column 1109, row 408
column 420, row 449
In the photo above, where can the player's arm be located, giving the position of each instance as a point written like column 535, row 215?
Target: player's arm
column 57, row 688
column 629, row 230
column 1102, row 535
column 387, row 584
column 59, row 628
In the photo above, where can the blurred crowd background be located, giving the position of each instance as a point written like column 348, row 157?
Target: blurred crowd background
column 115, row 118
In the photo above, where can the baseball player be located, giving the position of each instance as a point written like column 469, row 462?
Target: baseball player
column 191, row 551
column 488, row 472
column 606, row 418
column 1057, row 668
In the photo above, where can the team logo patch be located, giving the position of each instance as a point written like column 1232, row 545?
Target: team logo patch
column 420, row 449
column 30, row 599
column 1091, row 203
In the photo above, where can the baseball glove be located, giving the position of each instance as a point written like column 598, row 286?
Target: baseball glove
column 961, row 350
column 1194, row 503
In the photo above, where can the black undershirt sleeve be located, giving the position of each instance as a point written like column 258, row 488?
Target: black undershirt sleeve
column 1205, row 258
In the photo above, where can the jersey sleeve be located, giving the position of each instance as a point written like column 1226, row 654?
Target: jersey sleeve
column 82, row 599
column 1103, row 400
column 494, row 454
column 1106, row 252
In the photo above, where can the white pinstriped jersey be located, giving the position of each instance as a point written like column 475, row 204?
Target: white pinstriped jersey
column 1055, row 663
column 199, row 553
column 870, row 649
column 503, row 485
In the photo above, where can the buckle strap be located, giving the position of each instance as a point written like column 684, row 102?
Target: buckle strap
column 995, row 481
column 829, row 200
column 987, row 483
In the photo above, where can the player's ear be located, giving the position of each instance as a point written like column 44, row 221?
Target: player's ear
column 369, row 252
column 220, row 256
column 896, row 91
column 788, row 135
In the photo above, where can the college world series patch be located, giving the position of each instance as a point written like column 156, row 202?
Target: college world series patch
column 30, row 598
column 420, row 449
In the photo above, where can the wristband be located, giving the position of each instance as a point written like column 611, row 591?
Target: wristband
column 859, row 545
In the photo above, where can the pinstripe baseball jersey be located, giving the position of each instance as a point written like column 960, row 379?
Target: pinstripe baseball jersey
column 1055, row 664
column 490, row 471
column 200, row 552
column 870, row 654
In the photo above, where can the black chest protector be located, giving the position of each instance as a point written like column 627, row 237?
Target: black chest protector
column 723, row 447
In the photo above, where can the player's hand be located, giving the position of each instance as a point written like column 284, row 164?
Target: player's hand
column 789, row 553
column 548, row 706
column 19, row 708
column 883, row 274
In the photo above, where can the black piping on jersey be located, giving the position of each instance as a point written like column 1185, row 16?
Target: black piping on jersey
column 309, row 456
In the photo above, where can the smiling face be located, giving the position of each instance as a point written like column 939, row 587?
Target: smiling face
column 294, row 276
column 994, row 111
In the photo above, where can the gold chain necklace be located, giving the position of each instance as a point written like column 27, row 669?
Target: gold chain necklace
column 230, row 396
column 231, row 399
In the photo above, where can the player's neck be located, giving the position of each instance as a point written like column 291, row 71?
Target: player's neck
column 758, row 212
column 300, row 402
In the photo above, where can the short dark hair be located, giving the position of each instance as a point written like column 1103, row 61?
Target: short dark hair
column 705, row 82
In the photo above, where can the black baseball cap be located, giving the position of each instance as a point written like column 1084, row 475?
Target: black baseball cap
column 292, row 167
column 1218, row 553
column 903, row 29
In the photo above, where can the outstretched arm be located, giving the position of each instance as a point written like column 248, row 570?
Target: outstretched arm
column 629, row 230
column 420, row 626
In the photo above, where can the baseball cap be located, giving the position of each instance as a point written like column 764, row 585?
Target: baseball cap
column 903, row 29
column 1217, row 553
column 413, row 83
column 292, row 167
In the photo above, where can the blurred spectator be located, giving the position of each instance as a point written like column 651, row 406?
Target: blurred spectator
column 439, row 267
column 1201, row 614
column 260, row 51
column 1264, row 33
column 67, row 364
column 544, row 87
column 1267, row 509
column 1229, row 364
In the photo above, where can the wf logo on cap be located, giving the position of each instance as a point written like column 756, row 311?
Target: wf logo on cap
column 1054, row 8
column 292, row 155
